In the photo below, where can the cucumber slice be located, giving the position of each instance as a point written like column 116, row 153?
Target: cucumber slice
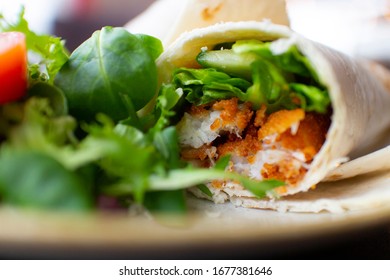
column 229, row 62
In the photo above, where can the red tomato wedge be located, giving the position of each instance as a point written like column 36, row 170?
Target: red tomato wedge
column 13, row 66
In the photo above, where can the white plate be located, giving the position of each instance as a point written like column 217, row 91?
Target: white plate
column 209, row 228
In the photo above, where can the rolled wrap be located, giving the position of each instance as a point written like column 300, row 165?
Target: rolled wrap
column 359, row 100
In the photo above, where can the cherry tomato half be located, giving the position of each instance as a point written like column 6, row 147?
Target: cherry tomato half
column 13, row 66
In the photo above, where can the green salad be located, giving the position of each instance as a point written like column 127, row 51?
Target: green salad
column 92, row 126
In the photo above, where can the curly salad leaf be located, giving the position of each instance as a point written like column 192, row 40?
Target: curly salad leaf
column 250, row 71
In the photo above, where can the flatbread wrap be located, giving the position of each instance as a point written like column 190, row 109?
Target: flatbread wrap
column 175, row 17
column 280, row 106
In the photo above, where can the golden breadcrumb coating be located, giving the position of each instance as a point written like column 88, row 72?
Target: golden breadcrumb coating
column 281, row 145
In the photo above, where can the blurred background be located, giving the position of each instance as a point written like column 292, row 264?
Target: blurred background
column 356, row 27
column 74, row 20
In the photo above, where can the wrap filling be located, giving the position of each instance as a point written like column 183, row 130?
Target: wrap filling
column 260, row 103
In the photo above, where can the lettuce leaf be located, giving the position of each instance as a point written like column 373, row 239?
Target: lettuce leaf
column 312, row 98
column 31, row 179
column 113, row 72
column 201, row 86
column 291, row 61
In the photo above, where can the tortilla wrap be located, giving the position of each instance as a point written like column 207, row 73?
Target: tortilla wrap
column 360, row 105
column 167, row 19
